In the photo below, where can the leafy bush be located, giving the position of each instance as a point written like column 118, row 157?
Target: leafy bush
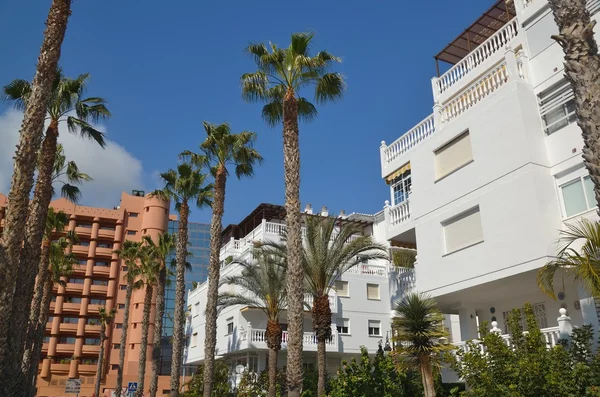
column 221, row 387
column 528, row 368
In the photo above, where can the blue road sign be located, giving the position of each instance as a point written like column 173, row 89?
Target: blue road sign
column 132, row 386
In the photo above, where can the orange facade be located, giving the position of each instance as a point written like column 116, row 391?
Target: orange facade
column 71, row 345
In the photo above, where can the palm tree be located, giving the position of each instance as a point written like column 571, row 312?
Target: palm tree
column 129, row 253
column 582, row 264
column 263, row 286
column 182, row 185
column 281, row 74
column 106, row 318
column 55, row 223
column 30, row 138
column 60, row 264
column 582, row 70
column 68, row 175
column 149, row 272
column 160, row 252
column 219, row 150
column 418, row 333
column 330, row 249
column 67, row 96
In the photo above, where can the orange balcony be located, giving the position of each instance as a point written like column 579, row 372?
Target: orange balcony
column 102, row 270
column 74, row 288
column 60, row 368
column 104, row 251
column 79, row 269
column 68, row 327
column 71, row 308
column 92, row 329
column 52, row 307
column 49, row 327
column 81, row 250
column 83, row 231
column 67, row 348
column 108, row 234
column 91, row 349
column 45, row 347
column 99, row 289
column 93, row 309
column 87, row 369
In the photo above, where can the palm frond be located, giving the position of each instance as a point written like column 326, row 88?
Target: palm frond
column 86, row 130
column 17, row 92
column 306, row 110
column 330, row 87
column 70, row 192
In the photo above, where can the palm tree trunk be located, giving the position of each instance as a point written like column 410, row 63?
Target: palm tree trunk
column 119, row 382
column 273, row 372
column 582, row 69
column 179, row 318
column 321, row 313
column 22, row 181
column 30, row 256
column 100, row 357
column 160, row 310
column 34, row 318
column 214, row 270
column 427, row 376
column 144, row 341
column 295, row 273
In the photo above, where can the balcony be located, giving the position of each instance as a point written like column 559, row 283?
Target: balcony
column 106, row 233
column 92, row 329
column 258, row 340
column 101, row 251
column 68, row 327
column 102, row 270
column 309, row 299
column 81, row 250
column 61, row 368
column 83, row 231
column 99, row 289
column 88, row 369
column 91, row 349
column 70, row 308
column 74, row 288
column 65, row 348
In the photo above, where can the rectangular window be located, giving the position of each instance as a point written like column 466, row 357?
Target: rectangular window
column 401, row 187
column 92, row 341
column 453, row 155
column 104, row 244
column 374, row 328
column 196, row 310
column 116, row 345
column 50, row 319
column 82, row 262
column 75, row 280
column 343, row 326
column 102, row 264
column 133, row 214
column 121, row 306
column 373, row 292
column 230, row 327
column 122, row 287
column 253, row 364
column 95, row 301
column 93, row 321
column 107, row 227
column 578, row 195
column 47, row 339
column 118, row 326
column 66, row 340
column 100, row 282
column 341, row 288
column 114, row 367
column 70, row 320
column 84, row 243
column 557, row 106
column 84, row 225
column 463, row 230
column 124, row 268
column 194, row 339
column 131, row 232
column 72, row 299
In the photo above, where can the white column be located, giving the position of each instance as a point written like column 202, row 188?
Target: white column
column 468, row 322
column 511, row 63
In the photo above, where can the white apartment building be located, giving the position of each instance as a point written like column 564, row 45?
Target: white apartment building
column 361, row 304
column 483, row 185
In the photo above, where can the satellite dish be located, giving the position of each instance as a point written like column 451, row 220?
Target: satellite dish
column 240, row 369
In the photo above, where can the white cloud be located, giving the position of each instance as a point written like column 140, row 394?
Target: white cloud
column 114, row 169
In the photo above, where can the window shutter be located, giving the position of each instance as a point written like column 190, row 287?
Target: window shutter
column 453, row 155
column 463, row 230
column 341, row 288
column 372, row 291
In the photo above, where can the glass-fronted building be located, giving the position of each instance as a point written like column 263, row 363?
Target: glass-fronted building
column 199, row 248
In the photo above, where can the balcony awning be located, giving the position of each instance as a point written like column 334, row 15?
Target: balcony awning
column 485, row 26
column 397, row 173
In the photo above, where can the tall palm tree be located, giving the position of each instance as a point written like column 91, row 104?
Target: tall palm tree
column 219, row 150
column 30, row 138
column 418, row 332
column 183, row 185
column 149, row 272
column 67, row 174
column 331, row 247
column 130, row 254
column 281, row 74
column 67, row 96
column 582, row 70
column 55, row 223
column 583, row 264
column 106, row 319
column 261, row 285
column 160, row 252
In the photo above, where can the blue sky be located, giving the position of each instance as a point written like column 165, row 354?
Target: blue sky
column 165, row 67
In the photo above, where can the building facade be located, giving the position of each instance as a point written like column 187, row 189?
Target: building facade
column 484, row 184
column 361, row 302
column 72, row 340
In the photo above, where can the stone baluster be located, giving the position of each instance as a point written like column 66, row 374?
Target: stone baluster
column 495, row 327
column 565, row 327
column 249, row 331
column 383, row 148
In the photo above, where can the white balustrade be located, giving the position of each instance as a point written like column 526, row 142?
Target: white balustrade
column 308, row 339
column 407, row 141
column 492, row 45
column 399, row 213
column 309, row 299
column 476, row 92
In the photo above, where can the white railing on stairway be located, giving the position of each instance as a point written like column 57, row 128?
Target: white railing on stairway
column 493, row 44
column 413, row 137
column 399, row 213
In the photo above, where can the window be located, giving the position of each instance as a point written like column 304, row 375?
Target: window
column 373, row 292
column 196, row 309
column 100, row 282
column 133, row 214
column 96, row 301
column 557, row 107
column 374, row 328
column 107, row 227
column 343, row 326
column 72, row 299
column 463, row 230
column 132, row 346
column 104, row 244
column 82, row 262
column 50, row 319
column 194, row 339
column 578, row 196
column 47, row 339
column 253, row 364
column 70, row 320
column 230, row 327
column 114, row 367
column 122, row 287
column 137, row 305
column 453, row 155
column 116, row 346
column 118, row 326
column 75, row 280
column 134, row 325
column 131, row 232
column 401, row 187
column 84, row 225
column 92, row 341
column 93, row 321
column 102, row 264
column 124, row 268
column 84, row 243
column 121, row 306
column 341, row 288
column 66, row 340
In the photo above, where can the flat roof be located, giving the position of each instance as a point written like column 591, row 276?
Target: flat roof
column 485, row 26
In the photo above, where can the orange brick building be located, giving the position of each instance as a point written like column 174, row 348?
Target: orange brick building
column 72, row 340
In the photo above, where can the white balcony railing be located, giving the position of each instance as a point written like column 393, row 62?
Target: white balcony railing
column 492, row 45
column 398, row 214
column 407, row 141
column 259, row 336
column 551, row 337
column 309, row 299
